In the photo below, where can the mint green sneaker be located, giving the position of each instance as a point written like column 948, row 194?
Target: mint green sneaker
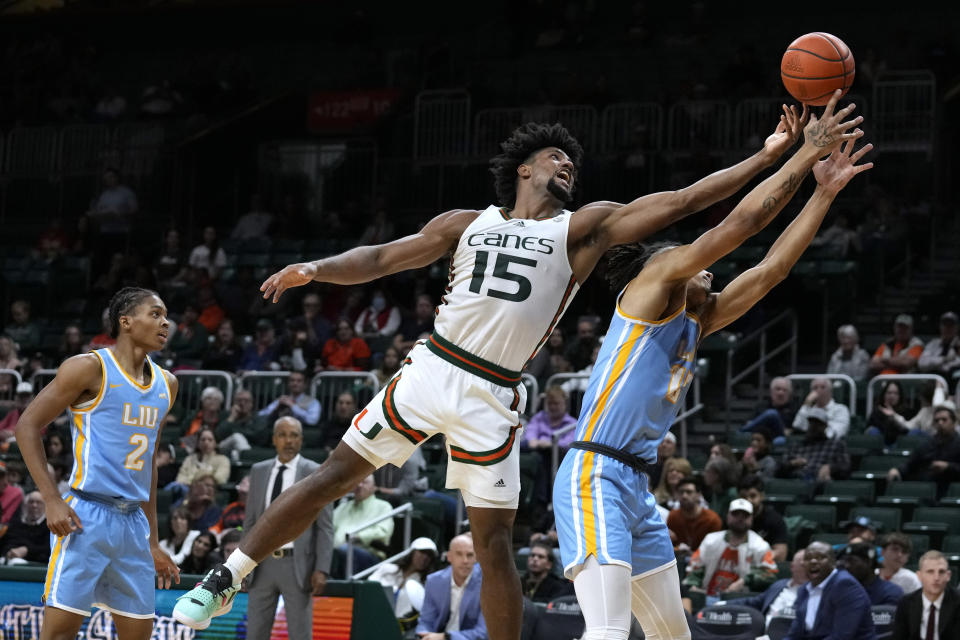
column 212, row 597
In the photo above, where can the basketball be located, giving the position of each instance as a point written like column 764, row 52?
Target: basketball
column 814, row 66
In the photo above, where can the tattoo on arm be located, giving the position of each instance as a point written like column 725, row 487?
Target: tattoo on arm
column 819, row 135
column 787, row 187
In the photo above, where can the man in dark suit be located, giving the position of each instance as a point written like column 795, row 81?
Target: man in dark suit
column 860, row 560
column 933, row 611
column 780, row 597
column 832, row 604
column 297, row 570
column 451, row 601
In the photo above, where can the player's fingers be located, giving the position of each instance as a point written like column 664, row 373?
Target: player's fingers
column 75, row 519
column 805, row 114
column 847, row 110
column 861, row 152
column 279, row 291
column 863, row 167
column 844, row 126
column 832, row 103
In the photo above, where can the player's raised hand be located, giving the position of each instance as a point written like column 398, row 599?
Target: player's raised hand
column 787, row 131
column 167, row 571
column 827, row 132
column 292, row 275
column 61, row 519
column 836, row 170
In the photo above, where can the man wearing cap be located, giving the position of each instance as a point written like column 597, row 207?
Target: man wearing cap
column 817, row 458
column 900, row 354
column 860, row 559
column 821, row 397
column 938, row 459
column 942, row 354
column 406, row 579
column 933, row 611
column 737, row 559
column 298, row 569
column 539, row 582
column 9, row 421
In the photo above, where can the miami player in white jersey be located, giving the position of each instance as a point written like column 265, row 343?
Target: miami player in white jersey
column 614, row 544
column 514, row 269
column 104, row 543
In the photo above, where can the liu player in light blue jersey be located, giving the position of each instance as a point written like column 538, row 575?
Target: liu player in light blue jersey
column 614, row 545
column 104, row 544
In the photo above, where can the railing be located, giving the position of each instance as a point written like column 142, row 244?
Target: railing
column 407, row 511
column 441, row 125
column 326, row 386
column 266, row 386
column 533, row 394
column 11, row 392
column 905, row 111
column 41, row 378
column 841, row 377
column 193, row 382
column 900, row 377
column 760, row 365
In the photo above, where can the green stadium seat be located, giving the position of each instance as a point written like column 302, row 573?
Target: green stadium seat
column 909, row 443
column 317, row 454
column 867, row 442
column 878, row 478
column 951, row 543
column 906, row 504
column 925, row 491
column 842, row 504
column 953, row 490
column 887, row 517
column 936, row 531
column 880, row 463
column 256, row 454
column 921, row 544
column 799, row 490
column 824, row 515
column 946, row 515
column 830, row 538
column 863, row 489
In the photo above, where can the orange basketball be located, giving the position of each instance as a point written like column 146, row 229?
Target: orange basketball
column 814, row 66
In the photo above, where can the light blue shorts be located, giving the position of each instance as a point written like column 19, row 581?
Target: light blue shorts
column 107, row 564
column 604, row 508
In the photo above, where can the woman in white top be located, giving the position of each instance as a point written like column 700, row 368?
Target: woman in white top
column 180, row 540
column 407, row 577
column 205, row 460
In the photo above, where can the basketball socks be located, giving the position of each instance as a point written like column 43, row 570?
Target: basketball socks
column 240, row 564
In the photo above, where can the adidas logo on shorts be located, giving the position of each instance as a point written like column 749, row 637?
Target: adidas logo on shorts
column 500, row 483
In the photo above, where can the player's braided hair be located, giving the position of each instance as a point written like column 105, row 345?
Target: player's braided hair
column 524, row 142
column 123, row 303
column 625, row 261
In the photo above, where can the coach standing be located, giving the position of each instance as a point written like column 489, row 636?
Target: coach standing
column 298, row 570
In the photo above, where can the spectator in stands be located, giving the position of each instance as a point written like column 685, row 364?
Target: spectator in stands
column 345, row 351
column 233, row 514
column 397, row 485
column 368, row 543
column 103, row 338
column 887, row 418
column 667, row 492
column 421, row 324
column 296, row 351
column 833, row 604
column 451, row 603
column 200, row 503
column 758, row 457
column 406, row 579
column 56, row 448
column 243, row 427
column 766, row 521
column 932, row 612
column 71, row 343
column 540, row 583
column 296, row 402
column 817, row 459
column 27, row 538
column 580, row 349
column 208, row 255
column 720, row 477
column 837, row 239
column 779, row 598
column 180, row 540
column 897, row 548
column 114, row 209
column 225, row 352
column 211, row 313
column 691, row 521
column 380, row 320
column 736, row 559
column 931, row 393
column 540, row 365
column 254, row 224
column 821, row 396
column 901, row 353
column 937, row 460
column 665, row 450
column 318, row 329
column 24, row 331
column 850, row 358
column 942, row 354
column 167, row 467
column 553, row 417
column 229, row 542
column 859, row 529
column 191, row 340
column 209, row 416
column 203, row 555
column 170, row 266
column 264, row 353
column 860, row 559
column 780, row 411
column 8, row 424
column 379, row 229
column 9, row 356
column 389, row 365
column 343, row 412
column 204, row 461
column 53, row 242
column 11, row 497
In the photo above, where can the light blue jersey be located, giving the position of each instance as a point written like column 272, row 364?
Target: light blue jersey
column 114, row 434
column 602, row 506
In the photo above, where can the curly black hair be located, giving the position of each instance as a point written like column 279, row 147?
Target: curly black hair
column 123, row 303
column 625, row 261
column 524, row 142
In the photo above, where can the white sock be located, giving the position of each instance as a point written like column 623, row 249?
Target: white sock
column 240, row 564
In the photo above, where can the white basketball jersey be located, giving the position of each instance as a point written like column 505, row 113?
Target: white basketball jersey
column 510, row 282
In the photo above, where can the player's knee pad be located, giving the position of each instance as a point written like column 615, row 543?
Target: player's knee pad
column 656, row 603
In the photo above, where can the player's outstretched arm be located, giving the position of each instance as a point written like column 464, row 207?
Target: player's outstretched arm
column 74, row 378
column 759, row 207
column 648, row 214
column 363, row 264
column 832, row 175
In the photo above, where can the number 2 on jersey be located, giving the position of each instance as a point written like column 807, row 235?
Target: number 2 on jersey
column 135, row 457
column 501, row 269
